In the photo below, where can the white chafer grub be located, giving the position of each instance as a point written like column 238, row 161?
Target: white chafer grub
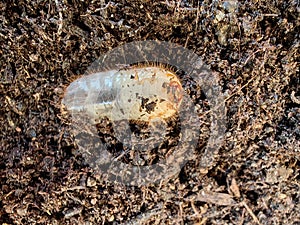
column 141, row 93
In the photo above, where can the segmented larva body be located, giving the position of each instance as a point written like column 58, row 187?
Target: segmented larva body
column 134, row 93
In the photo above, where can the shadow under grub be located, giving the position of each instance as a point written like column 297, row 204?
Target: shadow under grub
column 142, row 144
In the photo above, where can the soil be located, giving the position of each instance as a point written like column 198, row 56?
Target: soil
column 252, row 46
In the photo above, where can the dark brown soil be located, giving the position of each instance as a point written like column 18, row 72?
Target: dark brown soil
column 252, row 46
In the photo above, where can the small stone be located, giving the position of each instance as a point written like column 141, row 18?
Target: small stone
column 91, row 182
column 112, row 218
column 94, row 201
column 21, row 211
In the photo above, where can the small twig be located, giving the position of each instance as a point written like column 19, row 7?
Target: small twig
column 76, row 188
column 72, row 212
column 250, row 212
column 89, row 12
column 146, row 216
column 60, row 21
column 197, row 16
column 249, row 57
column 294, row 98
column 240, row 89
column 105, row 7
column 270, row 14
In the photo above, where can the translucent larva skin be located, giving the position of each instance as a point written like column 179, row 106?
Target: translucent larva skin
column 138, row 93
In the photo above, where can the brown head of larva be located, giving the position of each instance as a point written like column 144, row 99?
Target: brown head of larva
column 176, row 93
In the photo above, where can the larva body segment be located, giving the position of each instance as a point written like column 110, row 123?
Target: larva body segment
column 135, row 93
